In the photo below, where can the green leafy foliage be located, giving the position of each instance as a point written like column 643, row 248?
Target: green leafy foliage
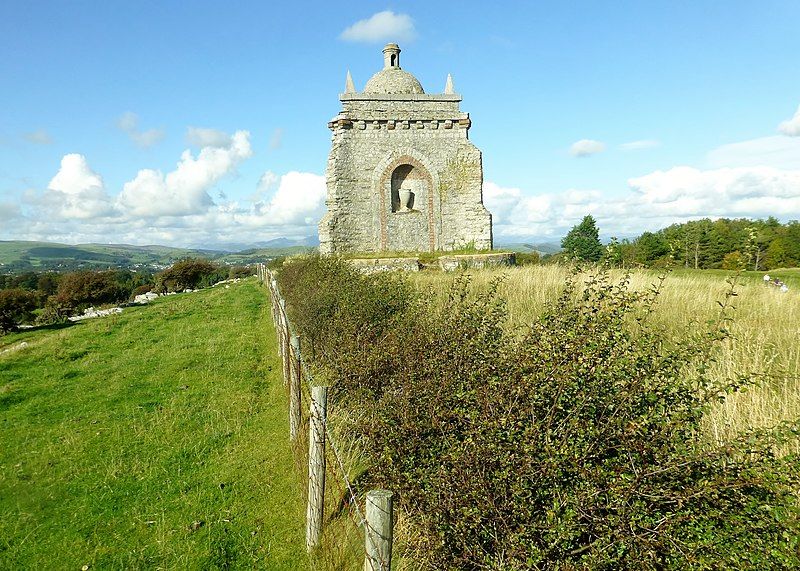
column 77, row 290
column 575, row 443
column 583, row 241
column 190, row 273
column 704, row 244
column 16, row 306
column 344, row 317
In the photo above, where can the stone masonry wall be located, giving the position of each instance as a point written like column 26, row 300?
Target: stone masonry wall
column 372, row 136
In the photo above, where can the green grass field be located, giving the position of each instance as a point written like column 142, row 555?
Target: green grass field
column 153, row 439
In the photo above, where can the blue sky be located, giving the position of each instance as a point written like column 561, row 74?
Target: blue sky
column 205, row 123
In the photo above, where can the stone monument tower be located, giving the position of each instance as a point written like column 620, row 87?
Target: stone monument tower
column 402, row 174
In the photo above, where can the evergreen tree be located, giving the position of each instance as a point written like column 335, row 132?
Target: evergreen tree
column 583, row 241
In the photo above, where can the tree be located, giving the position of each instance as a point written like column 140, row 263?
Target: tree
column 583, row 241
column 16, row 306
column 189, row 273
column 86, row 288
column 650, row 247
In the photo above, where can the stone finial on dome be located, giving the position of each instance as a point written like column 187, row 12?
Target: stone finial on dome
column 448, row 86
column 348, row 84
column 391, row 56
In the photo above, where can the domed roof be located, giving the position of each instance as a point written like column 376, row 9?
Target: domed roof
column 393, row 80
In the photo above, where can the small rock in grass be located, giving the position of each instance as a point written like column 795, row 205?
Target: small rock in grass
column 196, row 525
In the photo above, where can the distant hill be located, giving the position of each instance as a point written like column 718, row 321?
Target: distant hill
column 17, row 256
column 542, row 248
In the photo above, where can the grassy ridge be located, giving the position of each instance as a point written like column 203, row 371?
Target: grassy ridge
column 156, row 438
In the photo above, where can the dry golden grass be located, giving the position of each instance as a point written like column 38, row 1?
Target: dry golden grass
column 764, row 345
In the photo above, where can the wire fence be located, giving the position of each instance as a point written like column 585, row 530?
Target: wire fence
column 346, row 528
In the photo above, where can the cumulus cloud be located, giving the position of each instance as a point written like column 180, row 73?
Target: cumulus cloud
column 686, row 191
column 76, row 191
column 184, row 190
column 38, row 137
column 299, row 199
column 201, row 137
column 586, row 147
column 654, row 201
column 381, row 27
column 175, row 208
column 129, row 123
column 791, row 127
column 639, row 145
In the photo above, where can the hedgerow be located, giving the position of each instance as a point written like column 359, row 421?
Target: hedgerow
column 574, row 443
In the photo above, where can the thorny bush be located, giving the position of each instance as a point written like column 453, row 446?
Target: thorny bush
column 575, row 443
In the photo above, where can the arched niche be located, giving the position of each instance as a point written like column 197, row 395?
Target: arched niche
column 417, row 227
column 407, row 186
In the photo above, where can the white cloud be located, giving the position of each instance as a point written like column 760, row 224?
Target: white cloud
column 175, row 208
column 775, row 151
column 791, row 127
column 184, row 190
column 737, row 192
column 129, row 123
column 75, row 176
column 267, row 181
column 586, row 147
column 300, row 199
column 276, row 139
column 201, row 137
column 76, row 191
column 380, row 27
column 8, row 211
column 655, row 201
column 39, row 137
column 639, row 145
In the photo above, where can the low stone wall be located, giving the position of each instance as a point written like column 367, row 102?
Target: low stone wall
column 373, row 265
column 477, row 261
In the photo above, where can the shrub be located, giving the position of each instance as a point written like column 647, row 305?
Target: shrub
column 190, row 273
column 240, row 272
column 573, row 444
column 734, row 261
column 78, row 290
column 528, row 258
column 345, row 317
column 16, row 306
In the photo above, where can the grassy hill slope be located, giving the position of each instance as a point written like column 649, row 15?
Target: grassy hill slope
column 155, row 438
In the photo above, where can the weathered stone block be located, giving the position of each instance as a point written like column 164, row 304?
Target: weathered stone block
column 478, row 261
column 371, row 266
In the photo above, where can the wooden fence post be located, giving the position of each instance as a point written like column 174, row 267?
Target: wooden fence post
column 295, row 383
column 378, row 531
column 316, row 467
column 284, row 328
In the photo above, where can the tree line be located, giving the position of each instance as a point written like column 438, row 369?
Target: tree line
column 700, row 244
